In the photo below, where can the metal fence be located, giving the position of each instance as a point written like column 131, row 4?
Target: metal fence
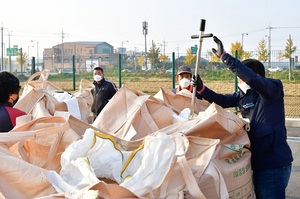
column 292, row 98
column 291, row 88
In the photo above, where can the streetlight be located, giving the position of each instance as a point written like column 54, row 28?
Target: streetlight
column 122, row 50
column 9, row 48
column 163, row 52
column 28, row 58
column 37, row 52
column 269, row 51
column 145, row 32
column 243, row 40
column 2, row 47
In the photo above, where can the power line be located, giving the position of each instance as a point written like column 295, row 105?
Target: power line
column 286, row 27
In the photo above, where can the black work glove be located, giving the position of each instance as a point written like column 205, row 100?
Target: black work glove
column 220, row 52
column 197, row 82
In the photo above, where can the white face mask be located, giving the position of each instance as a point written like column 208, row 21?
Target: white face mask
column 97, row 78
column 244, row 87
column 184, row 83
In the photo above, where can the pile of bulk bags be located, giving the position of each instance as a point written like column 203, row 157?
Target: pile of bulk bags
column 140, row 146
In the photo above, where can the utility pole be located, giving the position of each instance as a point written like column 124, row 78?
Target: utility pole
column 2, row 47
column 122, row 52
column 243, row 40
column 28, row 57
column 269, row 46
column 92, row 64
column 10, row 53
column 145, row 32
column 164, row 44
column 290, row 60
column 178, row 56
column 161, row 53
column 62, row 50
column 37, row 52
column 21, row 60
column 62, row 34
column 152, row 55
column 164, row 47
column 134, row 59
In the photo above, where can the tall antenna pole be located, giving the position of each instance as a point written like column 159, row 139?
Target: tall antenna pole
column 145, row 32
column 9, row 49
column 62, row 50
column 269, row 46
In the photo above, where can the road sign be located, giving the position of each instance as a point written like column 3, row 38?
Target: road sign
column 12, row 51
column 194, row 49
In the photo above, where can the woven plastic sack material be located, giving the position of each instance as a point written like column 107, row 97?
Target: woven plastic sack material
column 40, row 83
column 105, row 159
column 102, row 154
column 147, row 174
column 234, row 163
column 232, row 156
column 20, row 179
column 31, row 148
column 41, row 98
column 38, row 103
column 193, row 158
column 177, row 165
column 100, row 190
column 209, row 182
column 187, row 176
column 36, row 98
column 78, row 104
column 76, row 124
column 41, row 141
column 85, row 88
column 180, row 101
column 137, row 116
column 85, row 98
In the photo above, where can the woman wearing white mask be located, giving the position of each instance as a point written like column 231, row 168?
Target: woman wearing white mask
column 103, row 92
column 184, row 75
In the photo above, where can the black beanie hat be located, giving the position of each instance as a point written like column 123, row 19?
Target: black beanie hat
column 256, row 66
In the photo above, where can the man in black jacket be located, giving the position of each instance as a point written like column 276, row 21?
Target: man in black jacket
column 103, row 92
column 261, row 100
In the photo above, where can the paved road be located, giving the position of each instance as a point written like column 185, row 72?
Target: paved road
column 293, row 189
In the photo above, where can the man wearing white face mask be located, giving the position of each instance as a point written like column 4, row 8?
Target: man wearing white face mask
column 103, row 92
column 184, row 75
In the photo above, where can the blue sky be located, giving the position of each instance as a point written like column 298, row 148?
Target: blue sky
column 169, row 21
